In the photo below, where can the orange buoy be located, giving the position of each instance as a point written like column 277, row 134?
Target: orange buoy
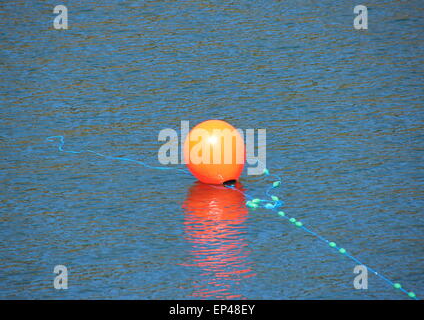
column 214, row 152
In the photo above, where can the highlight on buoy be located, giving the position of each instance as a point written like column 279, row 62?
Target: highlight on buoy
column 214, row 152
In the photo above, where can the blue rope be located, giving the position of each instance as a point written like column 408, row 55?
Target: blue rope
column 62, row 142
column 274, row 204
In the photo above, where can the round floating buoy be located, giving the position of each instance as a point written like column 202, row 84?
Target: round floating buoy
column 214, row 152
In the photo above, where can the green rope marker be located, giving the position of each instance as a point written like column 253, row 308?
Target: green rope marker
column 298, row 224
column 256, row 200
column 281, row 213
column 269, row 206
column 397, row 286
column 266, row 171
column 332, row 244
column 276, row 184
column 251, row 204
column 275, row 198
column 292, row 220
column 412, row 295
column 342, row 250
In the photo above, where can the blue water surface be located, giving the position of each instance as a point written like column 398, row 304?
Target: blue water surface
column 343, row 110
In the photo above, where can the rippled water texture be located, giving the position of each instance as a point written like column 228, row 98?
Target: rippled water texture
column 344, row 119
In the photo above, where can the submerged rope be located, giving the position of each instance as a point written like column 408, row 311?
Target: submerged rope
column 274, row 203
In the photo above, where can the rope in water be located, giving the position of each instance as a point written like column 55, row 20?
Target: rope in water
column 62, row 143
column 274, row 204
